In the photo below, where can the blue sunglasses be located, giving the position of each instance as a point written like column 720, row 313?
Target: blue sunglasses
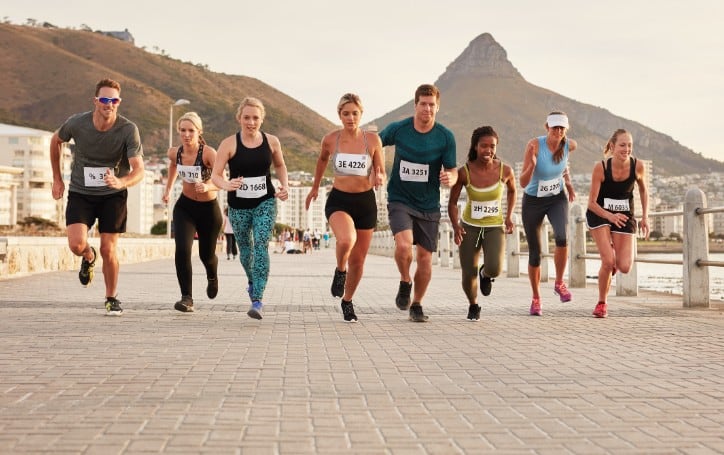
column 106, row 100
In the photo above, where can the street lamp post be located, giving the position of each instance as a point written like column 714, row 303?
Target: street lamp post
column 171, row 202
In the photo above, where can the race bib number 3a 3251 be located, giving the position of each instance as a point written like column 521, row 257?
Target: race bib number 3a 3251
column 414, row 172
column 252, row 187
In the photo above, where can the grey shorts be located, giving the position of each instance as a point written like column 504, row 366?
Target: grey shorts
column 424, row 226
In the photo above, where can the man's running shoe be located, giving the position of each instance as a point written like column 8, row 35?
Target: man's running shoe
column 113, row 307
column 86, row 270
column 562, row 291
column 212, row 288
column 185, row 305
column 402, row 300
column 601, row 310
column 348, row 311
column 535, row 309
column 486, row 283
column 255, row 310
column 416, row 314
column 338, row 283
column 474, row 312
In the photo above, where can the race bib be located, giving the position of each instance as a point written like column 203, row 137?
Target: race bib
column 484, row 209
column 189, row 174
column 549, row 187
column 351, row 164
column 414, row 172
column 93, row 176
column 616, row 205
column 252, row 188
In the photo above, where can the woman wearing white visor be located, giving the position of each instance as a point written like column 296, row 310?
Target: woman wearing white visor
column 543, row 176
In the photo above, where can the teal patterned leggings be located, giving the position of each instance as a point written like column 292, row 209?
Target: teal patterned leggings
column 252, row 229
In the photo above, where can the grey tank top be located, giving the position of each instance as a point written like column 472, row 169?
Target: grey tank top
column 352, row 164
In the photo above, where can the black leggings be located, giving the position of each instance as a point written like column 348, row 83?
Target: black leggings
column 533, row 212
column 190, row 217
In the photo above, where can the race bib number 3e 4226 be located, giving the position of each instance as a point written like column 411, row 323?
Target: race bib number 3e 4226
column 252, row 187
column 351, row 164
column 414, row 172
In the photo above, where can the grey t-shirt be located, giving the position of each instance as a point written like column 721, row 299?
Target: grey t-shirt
column 95, row 151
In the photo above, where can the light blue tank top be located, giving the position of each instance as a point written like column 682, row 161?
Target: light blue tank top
column 547, row 179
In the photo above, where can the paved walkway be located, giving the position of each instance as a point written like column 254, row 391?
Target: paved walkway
column 649, row 379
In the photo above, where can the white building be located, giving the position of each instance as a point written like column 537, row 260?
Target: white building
column 9, row 195
column 29, row 149
column 140, row 205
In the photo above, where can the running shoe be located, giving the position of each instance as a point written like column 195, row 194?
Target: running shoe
column 601, row 310
column 185, row 305
column 486, row 283
column 338, row 283
column 402, row 300
column 416, row 314
column 474, row 312
column 562, row 291
column 86, row 270
column 255, row 310
column 113, row 307
column 212, row 288
column 348, row 311
column 250, row 291
column 535, row 309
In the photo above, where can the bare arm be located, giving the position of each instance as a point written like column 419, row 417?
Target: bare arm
column 172, row 174
column 530, row 160
column 452, row 207
column 280, row 167
column 58, row 187
column 223, row 155
column 136, row 175
column 644, row 194
column 378, row 161
column 511, row 197
column 322, row 162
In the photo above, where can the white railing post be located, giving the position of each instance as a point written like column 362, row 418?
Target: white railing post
column 512, row 250
column 627, row 284
column 444, row 248
column 577, row 249
column 696, row 247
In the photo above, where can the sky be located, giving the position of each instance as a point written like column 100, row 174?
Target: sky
column 660, row 63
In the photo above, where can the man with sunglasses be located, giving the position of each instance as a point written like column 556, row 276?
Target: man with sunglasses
column 107, row 159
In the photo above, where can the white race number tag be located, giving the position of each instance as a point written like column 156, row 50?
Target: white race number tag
column 484, row 209
column 189, row 174
column 93, row 176
column 352, row 164
column 549, row 187
column 414, row 172
column 616, row 205
column 252, row 188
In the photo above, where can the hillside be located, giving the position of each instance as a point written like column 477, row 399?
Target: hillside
column 482, row 87
column 50, row 73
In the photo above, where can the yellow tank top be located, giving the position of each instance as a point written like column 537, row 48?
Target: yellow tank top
column 484, row 206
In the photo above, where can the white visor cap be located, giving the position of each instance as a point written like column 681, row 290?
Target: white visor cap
column 557, row 120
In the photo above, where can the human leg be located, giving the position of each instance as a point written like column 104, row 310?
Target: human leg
column 558, row 217
column 208, row 225
column 356, row 262
column 184, row 229
column 602, row 238
column 343, row 227
column 262, row 227
column 532, row 215
column 111, row 266
column 469, row 252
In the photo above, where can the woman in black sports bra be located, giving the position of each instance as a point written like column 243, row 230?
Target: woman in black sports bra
column 351, row 208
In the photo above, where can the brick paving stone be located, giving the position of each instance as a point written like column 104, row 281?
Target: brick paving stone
column 647, row 380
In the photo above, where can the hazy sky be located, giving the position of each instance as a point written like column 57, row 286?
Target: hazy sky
column 658, row 63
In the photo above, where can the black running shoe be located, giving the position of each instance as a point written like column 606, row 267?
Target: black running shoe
column 474, row 312
column 212, row 288
column 416, row 314
column 185, row 305
column 403, row 295
column 348, row 311
column 486, row 283
column 86, row 270
column 113, row 307
column 338, row 283
column 255, row 310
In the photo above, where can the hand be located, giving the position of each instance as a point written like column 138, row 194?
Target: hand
column 312, row 196
column 509, row 225
column 459, row 232
column 445, row 178
column 380, row 178
column 644, row 227
column 58, row 189
column 281, row 193
column 112, row 181
column 235, row 184
column 618, row 219
column 164, row 198
column 201, row 187
column 571, row 192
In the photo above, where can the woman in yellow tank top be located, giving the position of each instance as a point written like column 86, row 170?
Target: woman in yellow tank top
column 483, row 224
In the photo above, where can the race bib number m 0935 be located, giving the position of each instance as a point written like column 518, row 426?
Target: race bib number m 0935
column 616, row 205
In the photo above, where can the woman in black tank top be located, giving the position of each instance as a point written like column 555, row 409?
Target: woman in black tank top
column 610, row 214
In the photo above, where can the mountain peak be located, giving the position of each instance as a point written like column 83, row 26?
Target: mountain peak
column 483, row 57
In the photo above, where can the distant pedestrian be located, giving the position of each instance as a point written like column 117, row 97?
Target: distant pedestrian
column 351, row 208
column 107, row 159
column 196, row 214
column 610, row 214
column 544, row 174
column 485, row 177
column 231, row 250
column 424, row 160
column 252, row 198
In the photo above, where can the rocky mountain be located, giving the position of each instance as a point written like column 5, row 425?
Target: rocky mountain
column 50, row 73
column 482, row 87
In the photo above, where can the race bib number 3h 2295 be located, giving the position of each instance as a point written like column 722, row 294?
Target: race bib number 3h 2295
column 414, row 172
column 484, row 209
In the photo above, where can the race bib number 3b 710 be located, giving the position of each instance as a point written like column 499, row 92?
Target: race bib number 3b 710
column 414, row 172
column 189, row 174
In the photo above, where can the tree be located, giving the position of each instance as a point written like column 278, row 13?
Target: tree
column 159, row 228
column 655, row 235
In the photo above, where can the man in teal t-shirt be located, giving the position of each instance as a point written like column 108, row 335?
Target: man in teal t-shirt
column 424, row 159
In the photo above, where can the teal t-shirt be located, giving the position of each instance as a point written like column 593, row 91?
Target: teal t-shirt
column 415, row 177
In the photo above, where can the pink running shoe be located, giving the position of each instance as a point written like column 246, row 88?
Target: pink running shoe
column 562, row 291
column 535, row 307
column 601, row 310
